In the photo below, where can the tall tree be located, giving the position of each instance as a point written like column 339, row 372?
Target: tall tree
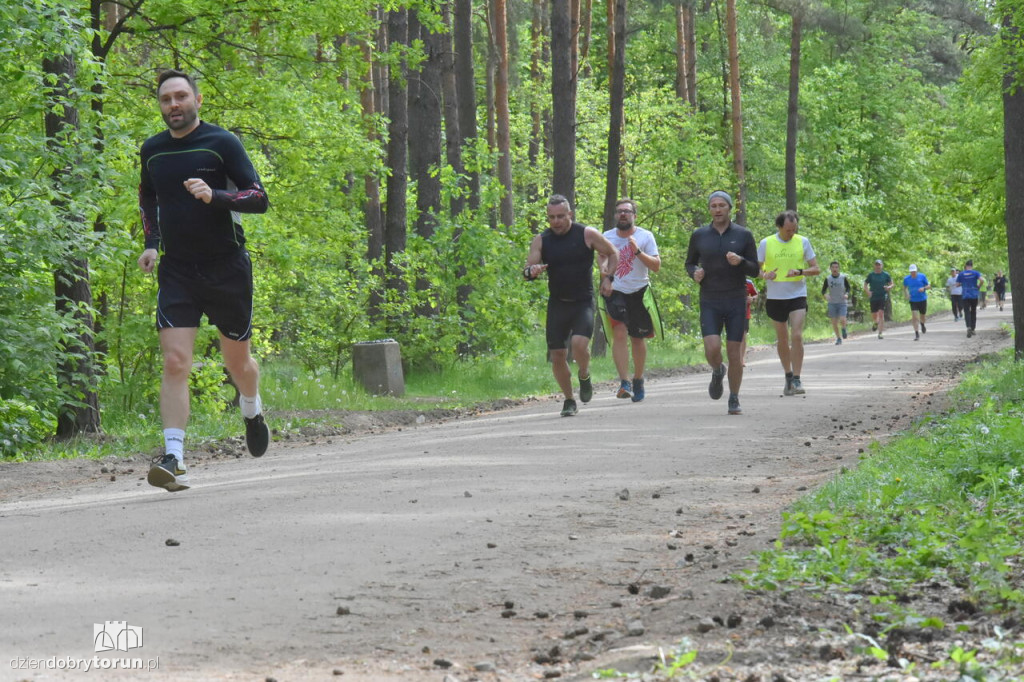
column 538, row 56
column 499, row 26
column 563, row 101
column 793, row 110
column 372, row 211
column 395, row 215
column 616, row 111
column 465, row 80
column 449, row 88
column 76, row 364
column 736, row 116
column 1013, row 146
column 425, row 126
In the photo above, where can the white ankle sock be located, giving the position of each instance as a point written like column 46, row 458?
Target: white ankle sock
column 174, row 443
column 250, row 406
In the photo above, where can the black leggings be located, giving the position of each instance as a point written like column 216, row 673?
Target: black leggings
column 970, row 312
column 957, row 303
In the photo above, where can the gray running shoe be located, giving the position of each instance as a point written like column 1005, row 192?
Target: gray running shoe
column 569, row 408
column 586, row 390
column 798, row 388
column 788, row 389
column 168, row 473
column 734, row 404
column 715, row 387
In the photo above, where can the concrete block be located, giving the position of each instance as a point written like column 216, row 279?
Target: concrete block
column 377, row 365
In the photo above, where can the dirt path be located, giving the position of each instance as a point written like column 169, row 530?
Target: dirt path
column 513, row 545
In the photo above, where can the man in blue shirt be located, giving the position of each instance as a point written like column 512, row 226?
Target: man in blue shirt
column 915, row 287
column 970, row 279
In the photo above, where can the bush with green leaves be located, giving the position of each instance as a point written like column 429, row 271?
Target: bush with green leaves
column 23, row 426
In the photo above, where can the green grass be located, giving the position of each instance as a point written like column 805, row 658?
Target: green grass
column 943, row 503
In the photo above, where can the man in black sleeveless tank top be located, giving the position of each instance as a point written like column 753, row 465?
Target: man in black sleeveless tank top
column 566, row 252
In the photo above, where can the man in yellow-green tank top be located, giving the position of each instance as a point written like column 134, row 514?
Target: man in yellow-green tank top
column 787, row 259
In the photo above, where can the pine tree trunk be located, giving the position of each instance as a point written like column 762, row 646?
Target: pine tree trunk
column 425, row 127
column 499, row 24
column 76, row 362
column 395, row 215
column 737, row 111
column 373, row 215
column 616, row 112
column 690, row 38
column 452, row 134
column 680, row 52
column 465, row 80
column 563, row 102
column 537, row 59
column 793, row 113
column 1013, row 151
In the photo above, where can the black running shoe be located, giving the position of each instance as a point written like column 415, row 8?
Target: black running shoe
column 586, row 390
column 734, row 404
column 924, row 329
column 168, row 473
column 257, row 435
column 569, row 408
column 715, row 387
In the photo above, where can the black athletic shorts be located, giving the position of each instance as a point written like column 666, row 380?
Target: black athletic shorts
column 568, row 318
column 877, row 305
column 730, row 313
column 629, row 309
column 920, row 306
column 778, row 309
column 221, row 290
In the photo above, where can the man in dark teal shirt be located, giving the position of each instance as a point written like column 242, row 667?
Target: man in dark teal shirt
column 878, row 284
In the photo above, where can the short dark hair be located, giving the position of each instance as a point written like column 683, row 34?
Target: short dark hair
column 790, row 215
column 174, row 73
column 969, row 264
column 558, row 200
column 626, row 200
column 835, row 262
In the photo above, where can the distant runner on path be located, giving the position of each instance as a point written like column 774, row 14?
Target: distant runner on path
column 999, row 287
column 836, row 290
column 970, row 279
column 878, row 284
column 787, row 259
column 955, row 293
column 566, row 252
column 915, row 287
column 720, row 257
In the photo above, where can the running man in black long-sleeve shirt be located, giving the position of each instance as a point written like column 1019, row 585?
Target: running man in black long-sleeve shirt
column 195, row 179
column 720, row 257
